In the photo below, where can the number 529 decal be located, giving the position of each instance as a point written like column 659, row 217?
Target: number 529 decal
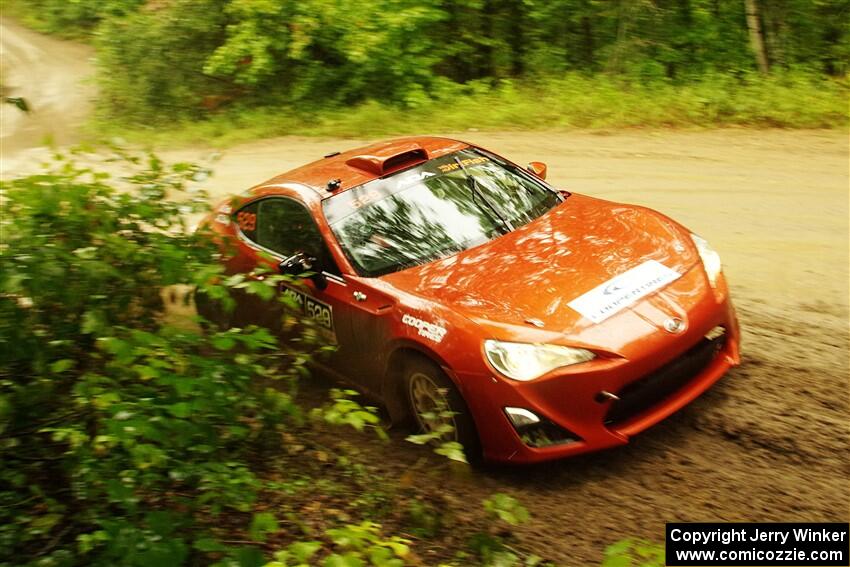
column 320, row 312
column 247, row 221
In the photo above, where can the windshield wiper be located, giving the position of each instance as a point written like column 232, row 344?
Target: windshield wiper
column 473, row 189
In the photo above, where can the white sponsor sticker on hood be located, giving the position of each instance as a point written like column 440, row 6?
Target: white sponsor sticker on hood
column 621, row 291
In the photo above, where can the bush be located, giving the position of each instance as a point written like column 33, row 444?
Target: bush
column 151, row 62
column 634, row 553
column 125, row 441
column 122, row 440
column 187, row 58
column 76, row 18
column 794, row 100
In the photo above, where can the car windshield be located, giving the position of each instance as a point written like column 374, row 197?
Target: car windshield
column 434, row 210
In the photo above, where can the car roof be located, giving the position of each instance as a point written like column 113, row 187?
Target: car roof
column 357, row 166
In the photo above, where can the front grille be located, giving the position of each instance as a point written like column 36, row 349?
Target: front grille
column 643, row 394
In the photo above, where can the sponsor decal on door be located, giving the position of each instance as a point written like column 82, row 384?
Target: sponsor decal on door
column 309, row 306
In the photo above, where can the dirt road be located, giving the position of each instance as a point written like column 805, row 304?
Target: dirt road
column 52, row 75
column 771, row 442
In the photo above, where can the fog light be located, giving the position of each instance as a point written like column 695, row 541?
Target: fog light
column 536, row 431
column 715, row 333
column 521, row 417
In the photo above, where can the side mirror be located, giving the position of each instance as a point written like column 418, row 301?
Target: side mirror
column 538, row 168
column 300, row 263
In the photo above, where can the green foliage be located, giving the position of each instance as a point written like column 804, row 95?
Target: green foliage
column 74, row 18
column 425, row 520
column 493, row 548
column 506, row 508
column 397, row 50
column 189, row 59
column 122, row 440
column 262, row 524
column 452, row 450
column 355, row 545
column 161, row 52
column 634, row 553
column 336, row 51
column 795, row 100
column 297, row 554
column 345, row 411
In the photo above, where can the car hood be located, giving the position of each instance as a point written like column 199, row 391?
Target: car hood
column 534, row 272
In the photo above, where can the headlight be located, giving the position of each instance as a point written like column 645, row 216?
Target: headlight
column 524, row 361
column 710, row 259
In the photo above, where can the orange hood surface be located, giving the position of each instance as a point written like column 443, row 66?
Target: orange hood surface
column 536, row 270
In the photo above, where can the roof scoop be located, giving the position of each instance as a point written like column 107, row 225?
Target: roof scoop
column 394, row 158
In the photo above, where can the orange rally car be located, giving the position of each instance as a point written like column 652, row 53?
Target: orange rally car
column 548, row 323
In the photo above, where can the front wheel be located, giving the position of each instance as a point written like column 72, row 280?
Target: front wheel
column 438, row 408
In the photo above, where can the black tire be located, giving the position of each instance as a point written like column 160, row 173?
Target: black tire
column 418, row 370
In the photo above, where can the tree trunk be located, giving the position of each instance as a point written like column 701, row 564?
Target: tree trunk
column 487, row 68
column 588, row 46
column 774, row 30
column 516, row 39
column 756, row 37
column 615, row 63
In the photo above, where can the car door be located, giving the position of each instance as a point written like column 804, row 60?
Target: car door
column 281, row 227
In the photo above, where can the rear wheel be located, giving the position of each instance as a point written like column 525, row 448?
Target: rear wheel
column 438, row 408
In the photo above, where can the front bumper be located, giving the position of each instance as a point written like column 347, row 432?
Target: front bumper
column 650, row 389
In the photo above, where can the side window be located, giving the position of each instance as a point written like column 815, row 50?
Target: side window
column 285, row 227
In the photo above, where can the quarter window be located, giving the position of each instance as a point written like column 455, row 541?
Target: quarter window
column 285, row 227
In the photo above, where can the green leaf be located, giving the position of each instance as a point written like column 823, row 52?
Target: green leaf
column 347, row 560
column 400, row 549
column 262, row 523
column 625, row 553
column 146, row 456
column 261, row 290
column 87, row 542
column 506, row 508
column 46, row 522
column 5, row 411
column 61, row 366
column 617, row 561
column 380, row 555
column 420, row 438
column 222, row 342
column 180, row 409
column 453, row 450
column 169, row 552
column 249, row 557
column 93, row 322
column 162, row 523
column 618, row 548
column 302, row 551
